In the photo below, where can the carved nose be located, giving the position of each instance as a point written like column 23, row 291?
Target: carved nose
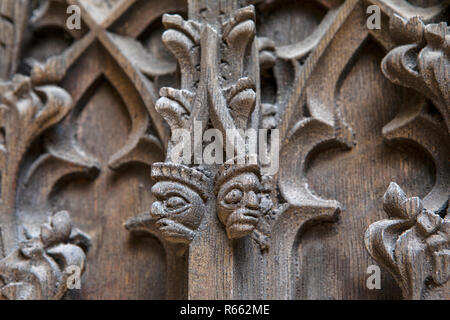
column 251, row 200
column 157, row 212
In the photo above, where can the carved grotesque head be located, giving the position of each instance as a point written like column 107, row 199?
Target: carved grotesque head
column 181, row 193
column 238, row 202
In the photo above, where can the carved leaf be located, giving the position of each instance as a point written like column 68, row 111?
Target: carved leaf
column 422, row 65
column 175, row 107
column 182, row 39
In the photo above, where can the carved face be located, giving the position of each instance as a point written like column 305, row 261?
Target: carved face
column 238, row 204
column 178, row 210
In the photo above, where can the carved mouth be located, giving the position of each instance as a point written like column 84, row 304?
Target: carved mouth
column 174, row 231
column 242, row 222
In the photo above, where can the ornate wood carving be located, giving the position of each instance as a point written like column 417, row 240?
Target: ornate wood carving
column 414, row 244
column 421, row 64
column 90, row 122
column 36, row 257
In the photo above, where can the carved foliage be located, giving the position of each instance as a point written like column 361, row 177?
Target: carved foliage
column 181, row 192
column 232, row 91
column 25, row 112
column 238, row 183
column 414, row 245
column 422, row 64
column 183, row 40
column 40, row 267
column 233, row 96
column 36, row 269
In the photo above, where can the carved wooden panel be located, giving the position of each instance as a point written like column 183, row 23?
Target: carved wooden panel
column 90, row 147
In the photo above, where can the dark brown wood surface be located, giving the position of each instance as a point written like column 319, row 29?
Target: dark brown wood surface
column 351, row 122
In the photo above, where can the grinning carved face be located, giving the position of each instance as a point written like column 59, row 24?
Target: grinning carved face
column 178, row 211
column 238, row 204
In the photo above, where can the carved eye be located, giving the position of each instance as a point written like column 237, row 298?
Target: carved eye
column 234, row 196
column 175, row 203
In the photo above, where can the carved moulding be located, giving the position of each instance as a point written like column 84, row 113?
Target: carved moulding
column 414, row 244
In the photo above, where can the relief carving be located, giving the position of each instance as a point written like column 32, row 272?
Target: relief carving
column 237, row 182
column 181, row 192
column 238, row 198
column 414, row 245
column 220, row 88
column 215, row 222
column 37, row 268
column 40, row 268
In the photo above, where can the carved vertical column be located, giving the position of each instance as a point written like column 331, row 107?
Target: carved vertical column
column 230, row 66
column 184, row 214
